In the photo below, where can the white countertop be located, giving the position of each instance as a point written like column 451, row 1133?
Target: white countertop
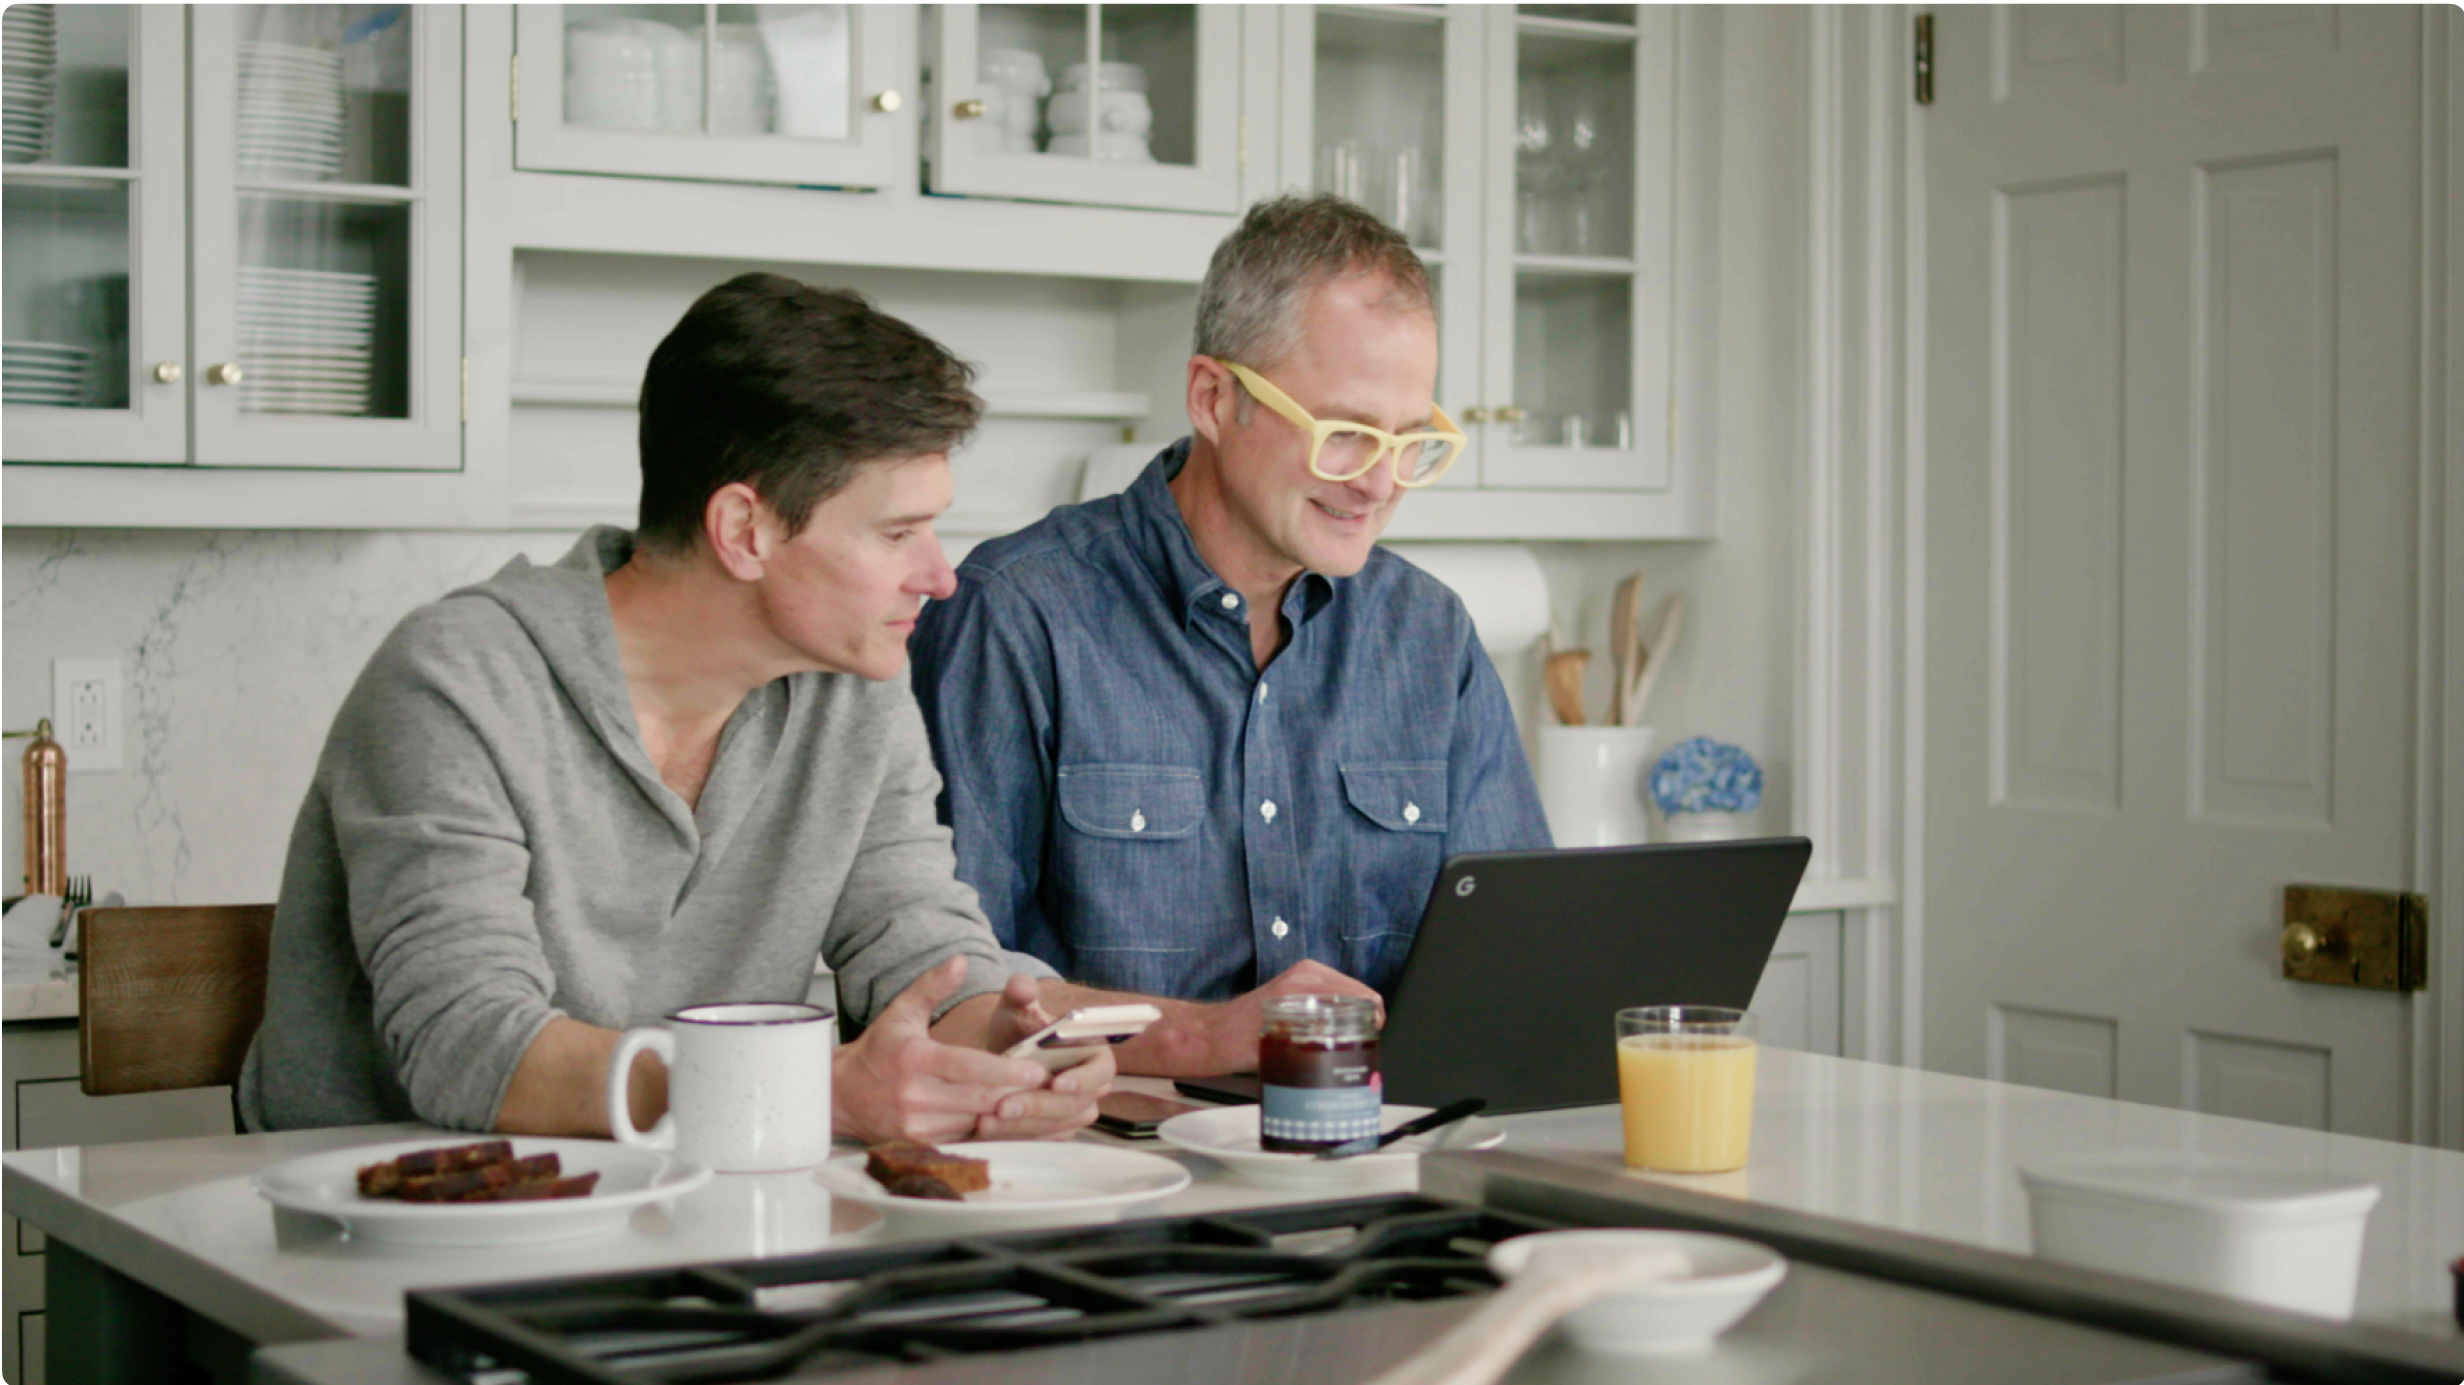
column 33, row 992
column 1914, row 1151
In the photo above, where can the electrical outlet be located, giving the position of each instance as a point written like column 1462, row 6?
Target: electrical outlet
column 85, row 713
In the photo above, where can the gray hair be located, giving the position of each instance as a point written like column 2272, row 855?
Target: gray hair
column 1249, row 307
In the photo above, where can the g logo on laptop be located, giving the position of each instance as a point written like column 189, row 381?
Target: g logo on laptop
column 1465, row 886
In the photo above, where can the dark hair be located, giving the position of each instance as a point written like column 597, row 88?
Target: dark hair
column 788, row 388
column 1249, row 307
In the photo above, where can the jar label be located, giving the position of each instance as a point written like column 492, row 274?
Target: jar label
column 1322, row 1115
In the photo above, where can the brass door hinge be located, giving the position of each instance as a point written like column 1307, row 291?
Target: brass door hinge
column 1924, row 59
column 516, row 99
column 2375, row 939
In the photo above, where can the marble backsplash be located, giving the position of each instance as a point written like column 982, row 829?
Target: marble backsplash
column 235, row 647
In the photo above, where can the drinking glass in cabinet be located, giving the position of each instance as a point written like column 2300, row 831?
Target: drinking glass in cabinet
column 324, row 95
column 1574, row 146
column 1573, row 358
column 1379, row 114
column 324, row 313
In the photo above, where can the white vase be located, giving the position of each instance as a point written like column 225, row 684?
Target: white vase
column 1593, row 784
column 1706, row 827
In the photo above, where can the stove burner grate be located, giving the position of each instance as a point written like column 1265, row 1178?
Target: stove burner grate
column 838, row 1311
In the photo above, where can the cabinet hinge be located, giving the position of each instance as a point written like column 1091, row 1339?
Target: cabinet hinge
column 1924, row 59
column 515, row 100
column 466, row 389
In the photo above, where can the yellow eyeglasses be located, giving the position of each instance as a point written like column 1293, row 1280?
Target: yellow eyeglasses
column 1345, row 451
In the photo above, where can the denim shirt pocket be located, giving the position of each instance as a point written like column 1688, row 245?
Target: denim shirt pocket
column 1156, row 803
column 1399, row 797
column 1129, row 859
column 1392, row 852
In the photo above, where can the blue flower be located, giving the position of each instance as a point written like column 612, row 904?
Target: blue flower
column 1702, row 775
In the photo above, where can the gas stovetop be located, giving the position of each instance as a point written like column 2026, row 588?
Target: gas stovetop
column 813, row 1316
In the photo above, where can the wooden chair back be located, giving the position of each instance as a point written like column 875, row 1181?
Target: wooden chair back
column 169, row 996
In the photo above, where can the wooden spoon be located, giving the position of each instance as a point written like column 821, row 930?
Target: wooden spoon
column 1484, row 1343
column 1564, row 675
column 1658, row 645
column 1624, row 645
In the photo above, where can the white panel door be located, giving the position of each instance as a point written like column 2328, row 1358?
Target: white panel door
column 2171, row 374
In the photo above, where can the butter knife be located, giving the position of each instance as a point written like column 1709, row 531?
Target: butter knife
column 1418, row 1125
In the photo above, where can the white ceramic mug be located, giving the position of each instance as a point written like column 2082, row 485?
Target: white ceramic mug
column 748, row 1085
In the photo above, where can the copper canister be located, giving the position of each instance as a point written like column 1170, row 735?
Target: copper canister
column 46, row 794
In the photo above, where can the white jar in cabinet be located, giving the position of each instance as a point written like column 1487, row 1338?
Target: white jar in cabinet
column 314, row 319
column 806, row 95
column 1106, row 105
column 1529, row 152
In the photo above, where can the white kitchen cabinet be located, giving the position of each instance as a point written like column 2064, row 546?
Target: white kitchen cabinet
column 803, row 95
column 249, row 218
column 1799, row 999
column 1531, row 157
column 46, row 1108
column 1106, row 105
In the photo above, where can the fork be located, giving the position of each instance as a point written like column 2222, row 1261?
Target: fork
column 78, row 894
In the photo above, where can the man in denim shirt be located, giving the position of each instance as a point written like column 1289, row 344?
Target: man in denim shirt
column 1203, row 739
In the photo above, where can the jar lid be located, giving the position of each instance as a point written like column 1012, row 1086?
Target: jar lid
column 1313, row 1013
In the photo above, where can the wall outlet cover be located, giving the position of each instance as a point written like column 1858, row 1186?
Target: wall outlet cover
column 86, row 713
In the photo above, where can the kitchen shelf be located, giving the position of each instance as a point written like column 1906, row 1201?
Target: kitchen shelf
column 1106, row 405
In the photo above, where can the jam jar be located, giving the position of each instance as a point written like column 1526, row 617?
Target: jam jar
column 1317, row 1060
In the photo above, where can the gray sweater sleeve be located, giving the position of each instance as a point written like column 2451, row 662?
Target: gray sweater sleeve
column 437, row 864
column 903, row 910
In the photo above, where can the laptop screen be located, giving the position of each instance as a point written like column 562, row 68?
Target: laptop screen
column 1524, row 959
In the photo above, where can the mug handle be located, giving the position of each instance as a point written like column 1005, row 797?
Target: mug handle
column 620, row 1107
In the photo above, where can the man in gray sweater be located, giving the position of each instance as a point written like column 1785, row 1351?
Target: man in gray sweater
column 679, row 766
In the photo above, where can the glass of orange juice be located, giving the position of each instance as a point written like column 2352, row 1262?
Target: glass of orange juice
column 1685, row 1075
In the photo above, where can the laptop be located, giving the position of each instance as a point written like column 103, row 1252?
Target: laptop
column 1524, row 959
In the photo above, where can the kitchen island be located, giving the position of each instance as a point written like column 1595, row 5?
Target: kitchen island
column 1891, row 1148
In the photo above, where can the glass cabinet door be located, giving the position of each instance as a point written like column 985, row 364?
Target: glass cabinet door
column 799, row 94
column 1578, row 247
column 95, row 234
column 1111, row 105
column 327, row 233
column 1392, row 110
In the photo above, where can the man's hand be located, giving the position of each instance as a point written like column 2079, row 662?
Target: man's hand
column 909, row 1078
column 1209, row 1039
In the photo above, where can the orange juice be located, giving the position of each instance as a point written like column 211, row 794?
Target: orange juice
column 1689, row 1101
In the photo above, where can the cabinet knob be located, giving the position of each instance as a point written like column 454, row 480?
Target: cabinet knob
column 228, row 373
column 168, row 372
column 1510, row 413
column 887, row 102
column 1477, row 413
column 2302, row 942
column 968, row 110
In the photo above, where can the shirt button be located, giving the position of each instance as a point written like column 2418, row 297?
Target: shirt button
column 1261, row 694
column 1137, row 821
column 1280, row 929
column 1266, row 810
column 1411, row 812
column 1231, row 602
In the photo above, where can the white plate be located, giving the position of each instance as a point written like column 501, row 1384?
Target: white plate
column 328, row 1185
column 1034, row 1183
column 1229, row 1136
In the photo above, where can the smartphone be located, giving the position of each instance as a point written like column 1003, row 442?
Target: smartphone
column 1082, row 1033
column 1135, row 1115
column 1234, row 1088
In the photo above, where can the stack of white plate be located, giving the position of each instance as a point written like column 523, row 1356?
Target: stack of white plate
column 290, row 112
column 307, row 339
column 47, row 372
column 29, row 82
